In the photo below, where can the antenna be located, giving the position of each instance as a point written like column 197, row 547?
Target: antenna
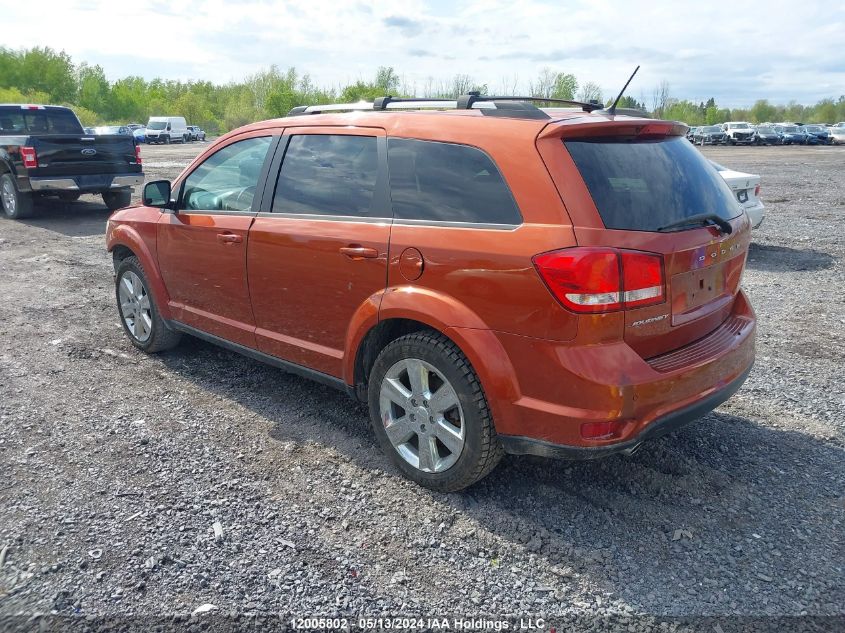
column 612, row 109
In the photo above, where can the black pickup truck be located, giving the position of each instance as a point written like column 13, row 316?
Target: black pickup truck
column 45, row 152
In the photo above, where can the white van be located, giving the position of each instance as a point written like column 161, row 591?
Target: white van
column 167, row 129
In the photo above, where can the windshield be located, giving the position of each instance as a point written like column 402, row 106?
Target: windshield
column 711, row 128
column 156, row 125
column 790, row 128
column 813, row 128
column 765, row 130
column 738, row 126
column 645, row 185
column 107, row 129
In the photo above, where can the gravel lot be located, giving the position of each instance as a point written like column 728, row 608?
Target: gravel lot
column 116, row 467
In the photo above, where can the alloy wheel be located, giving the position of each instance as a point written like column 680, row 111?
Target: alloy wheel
column 10, row 200
column 135, row 306
column 422, row 415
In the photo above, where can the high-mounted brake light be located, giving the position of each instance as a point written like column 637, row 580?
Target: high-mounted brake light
column 590, row 280
column 138, row 154
column 29, row 157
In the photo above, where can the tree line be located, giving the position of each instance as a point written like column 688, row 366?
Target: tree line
column 42, row 75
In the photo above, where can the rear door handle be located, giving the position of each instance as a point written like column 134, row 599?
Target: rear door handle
column 229, row 238
column 359, row 252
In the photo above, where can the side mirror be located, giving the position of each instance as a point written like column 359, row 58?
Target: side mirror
column 157, row 194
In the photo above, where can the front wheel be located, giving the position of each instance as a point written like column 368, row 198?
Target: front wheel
column 138, row 311
column 430, row 414
column 167, row 140
column 16, row 205
column 117, row 199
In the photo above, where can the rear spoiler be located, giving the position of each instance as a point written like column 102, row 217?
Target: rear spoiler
column 628, row 127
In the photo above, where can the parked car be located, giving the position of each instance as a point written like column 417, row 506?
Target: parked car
column 767, row 136
column 140, row 135
column 691, row 134
column 134, row 126
column 709, row 135
column 487, row 283
column 837, row 135
column 44, row 151
column 819, row 132
column 794, row 135
column 746, row 188
column 738, row 133
column 167, row 129
column 197, row 133
column 112, row 129
column 89, row 130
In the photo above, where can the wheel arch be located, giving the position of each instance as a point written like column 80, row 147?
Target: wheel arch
column 122, row 242
column 481, row 347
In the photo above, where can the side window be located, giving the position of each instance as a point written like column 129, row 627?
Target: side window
column 447, row 182
column 326, row 174
column 227, row 179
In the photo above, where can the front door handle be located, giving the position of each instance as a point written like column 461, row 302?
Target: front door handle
column 359, row 252
column 229, row 238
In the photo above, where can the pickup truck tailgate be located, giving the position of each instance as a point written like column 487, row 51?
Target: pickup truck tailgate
column 75, row 155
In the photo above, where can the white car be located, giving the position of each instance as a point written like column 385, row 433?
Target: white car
column 739, row 132
column 837, row 134
column 746, row 188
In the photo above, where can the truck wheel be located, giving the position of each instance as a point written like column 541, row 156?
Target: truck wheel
column 138, row 311
column 117, row 199
column 167, row 140
column 429, row 413
column 16, row 205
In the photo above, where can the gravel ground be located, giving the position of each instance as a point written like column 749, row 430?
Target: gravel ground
column 136, row 485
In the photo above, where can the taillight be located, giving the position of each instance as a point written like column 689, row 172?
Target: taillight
column 138, row 154
column 757, row 190
column 590, row 280
column 30, row 160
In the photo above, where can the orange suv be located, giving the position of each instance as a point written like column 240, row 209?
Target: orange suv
column 490, row 276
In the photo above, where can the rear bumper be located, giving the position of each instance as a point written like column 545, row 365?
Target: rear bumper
column 669, row 423
column 562, row 386
column 89, row 184
column 756, row 213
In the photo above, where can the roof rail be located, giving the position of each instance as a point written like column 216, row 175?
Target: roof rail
column 520, row 107
column 467, row 101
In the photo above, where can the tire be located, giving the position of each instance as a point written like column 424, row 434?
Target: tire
column 16, row 205
column 474, row 454
column 167, row 140
column 138, row 311
column 69, row 196
column 117, row 199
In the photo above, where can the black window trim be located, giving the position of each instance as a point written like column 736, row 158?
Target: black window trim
column 381, row 193
column 493, row 226
column 274, row 136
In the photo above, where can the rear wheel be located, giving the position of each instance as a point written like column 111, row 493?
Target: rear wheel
column 117, row 199
column 138, row 311
column 429, row 413
column 16, row 205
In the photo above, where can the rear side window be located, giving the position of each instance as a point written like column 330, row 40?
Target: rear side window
column 447, row 182
column 646, row 185
column 38, row 122
column 325, row 174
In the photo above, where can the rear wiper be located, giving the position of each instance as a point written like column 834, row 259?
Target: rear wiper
column 704, row 219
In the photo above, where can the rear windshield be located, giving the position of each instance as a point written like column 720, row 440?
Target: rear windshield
column 38, row 122
column 645, row 185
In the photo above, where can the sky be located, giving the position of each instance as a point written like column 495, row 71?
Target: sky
column 736, row 52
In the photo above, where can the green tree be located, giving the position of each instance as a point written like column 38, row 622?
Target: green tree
column 93, row 88
column 763, row 112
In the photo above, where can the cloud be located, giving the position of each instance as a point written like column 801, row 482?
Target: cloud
column 743, row 55
column 407, row 26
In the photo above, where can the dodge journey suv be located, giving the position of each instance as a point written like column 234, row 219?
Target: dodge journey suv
column 489, row 276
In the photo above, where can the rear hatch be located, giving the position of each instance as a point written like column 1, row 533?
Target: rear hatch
column 634, row 185
column 72, row 155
